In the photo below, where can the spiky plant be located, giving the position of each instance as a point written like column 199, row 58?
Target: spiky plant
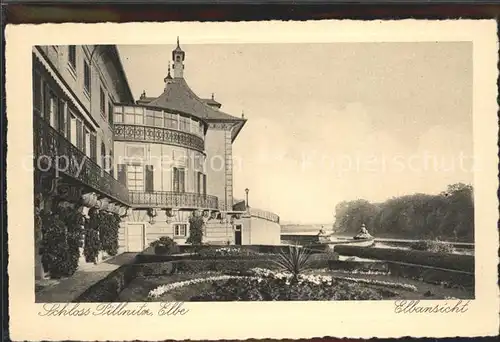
column 295, row 260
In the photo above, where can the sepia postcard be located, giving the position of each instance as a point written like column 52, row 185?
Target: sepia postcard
column 210, row 181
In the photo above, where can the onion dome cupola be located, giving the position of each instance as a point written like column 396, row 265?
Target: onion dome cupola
column 178, row 57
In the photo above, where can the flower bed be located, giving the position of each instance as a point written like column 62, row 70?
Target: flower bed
column 259, row 284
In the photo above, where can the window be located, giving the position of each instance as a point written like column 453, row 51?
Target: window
column 180, row 229
column 139, row 115
column 150, row 118
column 72, row 56
column 110, row 112
column 171, row 121
column 118, row 114
column 134, row 115
column 135, row 177
column 86, row 77
column 103, row 102
column 184, row 124
column 178, row 185
column 52, row 110
column 159, row 119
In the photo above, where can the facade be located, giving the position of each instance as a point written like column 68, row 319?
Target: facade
column 154, row 162
column 74, row 91
column 174, row 154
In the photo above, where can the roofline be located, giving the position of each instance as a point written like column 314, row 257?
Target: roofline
column 238, row 129
column 121, row 71
column 239, row 126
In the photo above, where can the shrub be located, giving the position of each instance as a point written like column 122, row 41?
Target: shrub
column 109, row 224
column 211, row 253
column 434, row 246
column 74, row 224
column 196, row 225
column 295, row 260
column 92, row 244
column 165, row 245
column 61, row 241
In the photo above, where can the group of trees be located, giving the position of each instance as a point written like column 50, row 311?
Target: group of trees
column 447, row 216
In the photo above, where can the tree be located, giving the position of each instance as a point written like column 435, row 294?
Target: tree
column 196, row 226
column 449, row 215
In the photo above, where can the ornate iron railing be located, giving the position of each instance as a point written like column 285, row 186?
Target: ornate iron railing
column 171, row 199
column 158, row 135
column 53, row 150
column 266, row 215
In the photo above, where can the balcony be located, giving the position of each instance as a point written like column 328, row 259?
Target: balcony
column 53, row 150
column 129, row 132
column 265, row 215
column 170, row 199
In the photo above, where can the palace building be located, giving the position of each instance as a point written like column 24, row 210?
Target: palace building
column 154, row 162
column 174, row 153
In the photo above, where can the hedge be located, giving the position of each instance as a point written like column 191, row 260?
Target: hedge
column 108, row 289
column 358, row 265
column 432, row 275
column 449, row 261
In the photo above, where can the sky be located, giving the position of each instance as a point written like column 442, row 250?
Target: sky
column 331, row 122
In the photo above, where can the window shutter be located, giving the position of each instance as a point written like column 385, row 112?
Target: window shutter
column 198, row 185
column 122, row 173
column 63, row 124
column 79, row 134
column 68, row 123
column 93, row 147
column 181, row 180
column 46, row 102
column 204, row 184
column 176, row 180
column 149, row 178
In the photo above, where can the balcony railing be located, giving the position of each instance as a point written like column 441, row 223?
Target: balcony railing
column 52, row 149
column 127, row 132
column 170, row 199
column 266, row 215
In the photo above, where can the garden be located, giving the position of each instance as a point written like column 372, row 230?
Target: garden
column 269, row 273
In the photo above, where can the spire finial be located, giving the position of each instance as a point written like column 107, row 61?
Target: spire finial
column 143, row 95
column 213, row 96
column 178, row 45
column 242, row 114
column 169, row 77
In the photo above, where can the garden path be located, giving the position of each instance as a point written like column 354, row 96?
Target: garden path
column 68, row 289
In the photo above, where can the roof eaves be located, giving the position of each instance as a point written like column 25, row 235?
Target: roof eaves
column 121, row 71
